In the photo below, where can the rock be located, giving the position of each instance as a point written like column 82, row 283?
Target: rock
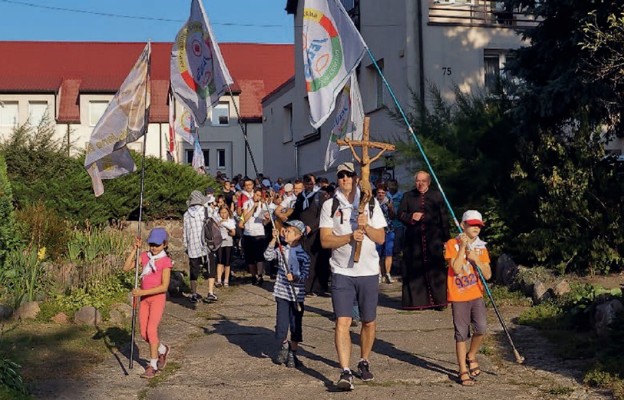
column 605, row 314
column 506, row 270
column 5, row 312
column 563, row 287
column 28, row 310
column 120, row 313
column 87, row 315
column 176, row 284
column 60, row 318
column 540, row 292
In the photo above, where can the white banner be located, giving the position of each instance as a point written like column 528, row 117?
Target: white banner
column 348, row 121
column 332, row 48
column 198, row 74
column 124, row 121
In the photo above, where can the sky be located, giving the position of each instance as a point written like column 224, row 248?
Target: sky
column 257, row 21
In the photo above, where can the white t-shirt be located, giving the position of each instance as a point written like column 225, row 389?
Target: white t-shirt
column 341, row 260
column 289, row 201
column 225, row 226
column 254, row 225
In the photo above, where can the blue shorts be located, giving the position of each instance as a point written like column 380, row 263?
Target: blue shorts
column 361, row 290
column 386, row 249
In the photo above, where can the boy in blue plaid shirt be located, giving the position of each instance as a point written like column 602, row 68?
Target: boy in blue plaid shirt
column 289, row 289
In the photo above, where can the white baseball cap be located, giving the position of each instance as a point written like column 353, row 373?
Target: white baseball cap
column 473, row 217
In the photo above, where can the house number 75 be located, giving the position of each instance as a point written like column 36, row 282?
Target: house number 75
column 446, row 71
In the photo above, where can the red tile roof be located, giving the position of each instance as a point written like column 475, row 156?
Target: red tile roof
column 100, row 67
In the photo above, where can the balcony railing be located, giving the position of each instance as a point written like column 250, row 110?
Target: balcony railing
column 478, row 13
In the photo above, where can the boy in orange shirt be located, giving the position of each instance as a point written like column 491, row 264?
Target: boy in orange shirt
column 465, row 292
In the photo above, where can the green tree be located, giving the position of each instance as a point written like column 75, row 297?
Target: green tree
column 565, row 114
column 472, row 150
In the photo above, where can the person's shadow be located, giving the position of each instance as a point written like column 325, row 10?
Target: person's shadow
column 264, row 339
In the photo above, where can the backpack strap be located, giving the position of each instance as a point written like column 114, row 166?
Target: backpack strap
column 336, row 204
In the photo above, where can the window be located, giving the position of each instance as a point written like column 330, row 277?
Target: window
column 494, row 68
column 9, row 113
column 220, row 158
column 348, row 4
column 37, row 111
column 189, row 157
column 287, row 129
column 96, row 110
column 468, row 2
column 221, row 114
column 378, row 83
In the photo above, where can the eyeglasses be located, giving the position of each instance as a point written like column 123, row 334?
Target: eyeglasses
column 342, row 174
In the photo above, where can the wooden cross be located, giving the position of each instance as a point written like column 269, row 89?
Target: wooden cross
column 365, row 162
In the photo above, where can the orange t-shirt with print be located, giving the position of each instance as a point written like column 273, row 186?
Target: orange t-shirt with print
column 466, row 286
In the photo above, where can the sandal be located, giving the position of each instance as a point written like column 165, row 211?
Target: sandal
column 467, row 381
column 476, row 371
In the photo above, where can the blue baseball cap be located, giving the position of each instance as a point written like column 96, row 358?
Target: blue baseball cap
column 158, row 236
column 297, row 224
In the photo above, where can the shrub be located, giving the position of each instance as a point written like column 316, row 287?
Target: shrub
column 7, row 220
column 40, row 226
column 40, row 170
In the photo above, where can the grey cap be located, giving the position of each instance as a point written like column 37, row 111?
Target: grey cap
column 347, row 167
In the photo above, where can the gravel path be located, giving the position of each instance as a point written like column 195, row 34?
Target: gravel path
column 224, row 350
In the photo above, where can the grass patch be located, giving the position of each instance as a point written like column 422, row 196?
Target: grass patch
column 172, row 367
column 503, row 296
column 68, row 350
column 10, row 394
column 560, row 391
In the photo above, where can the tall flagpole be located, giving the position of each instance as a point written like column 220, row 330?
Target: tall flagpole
column 136, row 258
column 411, row 131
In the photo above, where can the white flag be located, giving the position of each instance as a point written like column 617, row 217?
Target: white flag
column 198, row 74
column 332, row 48
column 184, row 126
column 198, row 161
column 349, row 120
column 123, row 122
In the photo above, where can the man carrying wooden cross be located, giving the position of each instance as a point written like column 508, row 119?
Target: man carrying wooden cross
column 344, row 227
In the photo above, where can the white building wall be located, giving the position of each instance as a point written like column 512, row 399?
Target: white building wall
column 212, row 138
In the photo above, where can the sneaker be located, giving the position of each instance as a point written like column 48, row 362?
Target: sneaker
column 225, row 284
column 345, row 382
column 149, row 373
column 282, row 355
column 210, row 297
column 364, row 371
column 389, row 279
column 292, row 361
column 354, row 323
column 193, row 298
column 218, row 284
column 162, row 358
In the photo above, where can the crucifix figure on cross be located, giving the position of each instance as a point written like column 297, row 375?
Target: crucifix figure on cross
column 365, row 161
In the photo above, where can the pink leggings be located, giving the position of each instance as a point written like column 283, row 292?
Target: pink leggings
column 151, row 309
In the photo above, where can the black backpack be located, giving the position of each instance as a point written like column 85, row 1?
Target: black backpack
column 211, row 234
column 336, row 204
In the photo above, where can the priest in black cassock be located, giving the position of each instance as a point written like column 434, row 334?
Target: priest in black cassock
column 424, row 215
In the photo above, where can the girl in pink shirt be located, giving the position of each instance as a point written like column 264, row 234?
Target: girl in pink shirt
column 156, row 272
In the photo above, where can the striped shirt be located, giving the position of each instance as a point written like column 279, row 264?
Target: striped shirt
column 298, row 262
